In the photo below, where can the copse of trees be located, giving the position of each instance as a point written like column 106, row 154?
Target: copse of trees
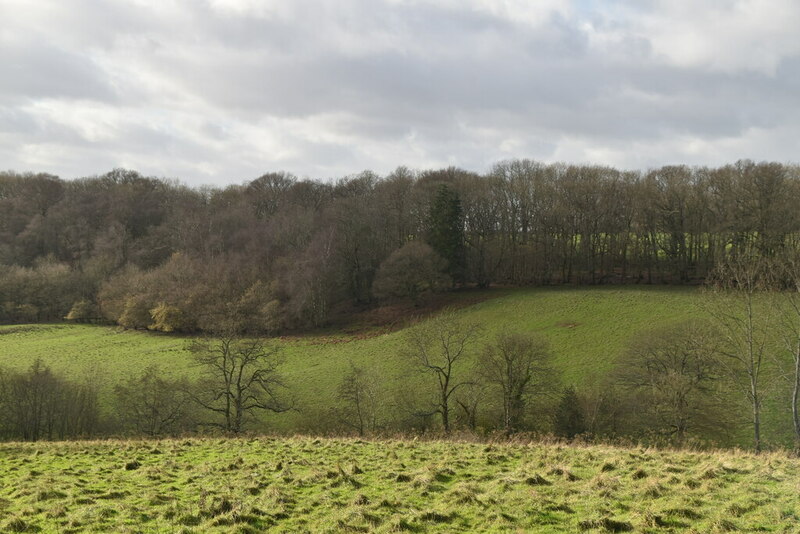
column 151, row 253
column 239, row 378
column 151, row 405
column 672, row 377
column 39, row 405
column 518, row 366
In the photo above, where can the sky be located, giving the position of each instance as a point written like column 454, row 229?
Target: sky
column 222, row 91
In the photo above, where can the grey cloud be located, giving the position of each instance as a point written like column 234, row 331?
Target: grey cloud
column 17, row 122
column 383, row 80
column 35, row 70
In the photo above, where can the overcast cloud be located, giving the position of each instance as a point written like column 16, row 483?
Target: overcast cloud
column 221, row 91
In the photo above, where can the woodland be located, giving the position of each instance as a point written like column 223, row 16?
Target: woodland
column 281, row 253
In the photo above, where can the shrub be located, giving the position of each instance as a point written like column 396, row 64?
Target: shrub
column 168, row 318
column 82, row 311
column 135, row 315
column 411, row 271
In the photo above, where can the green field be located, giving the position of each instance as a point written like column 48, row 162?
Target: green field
column 346, row 485
column 588, row 328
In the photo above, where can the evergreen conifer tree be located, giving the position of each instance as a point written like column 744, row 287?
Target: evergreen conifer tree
column 446, row 231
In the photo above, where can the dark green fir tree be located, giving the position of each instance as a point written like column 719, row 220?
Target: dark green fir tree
column 446, row 231
column 569, row 421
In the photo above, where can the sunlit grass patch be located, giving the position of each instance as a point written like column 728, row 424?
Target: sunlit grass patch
column 345, row 485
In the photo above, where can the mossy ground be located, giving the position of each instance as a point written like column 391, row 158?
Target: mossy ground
column 348, row 485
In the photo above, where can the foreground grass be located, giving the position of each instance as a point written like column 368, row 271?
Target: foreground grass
column 347, row 485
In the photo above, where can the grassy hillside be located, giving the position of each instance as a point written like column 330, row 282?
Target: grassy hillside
column 340, row 485
column 588, row 328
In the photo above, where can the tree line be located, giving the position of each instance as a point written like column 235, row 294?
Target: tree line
column 282, row 253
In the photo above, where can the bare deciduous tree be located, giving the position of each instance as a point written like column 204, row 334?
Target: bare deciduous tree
column 440, row 348
column 519, row 365
column 470, row 399
column 358, row 394
column 789, row 305
column 241, row 378
column 672, row 374
column 151, row 404
column 744, row 322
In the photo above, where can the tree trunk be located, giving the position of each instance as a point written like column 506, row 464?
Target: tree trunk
column 445, row 416
column 756, row 424
column 795, row 398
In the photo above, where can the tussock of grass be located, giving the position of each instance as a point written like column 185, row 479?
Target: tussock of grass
column 639, row 474
column 724, row 525
column 687, row 513
column 564, row 473
column 653, row 490
column 465, row 493
column 606, row 524
column 437, row 517
column 132, row 465
column 537, row 480
column 607, row 466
